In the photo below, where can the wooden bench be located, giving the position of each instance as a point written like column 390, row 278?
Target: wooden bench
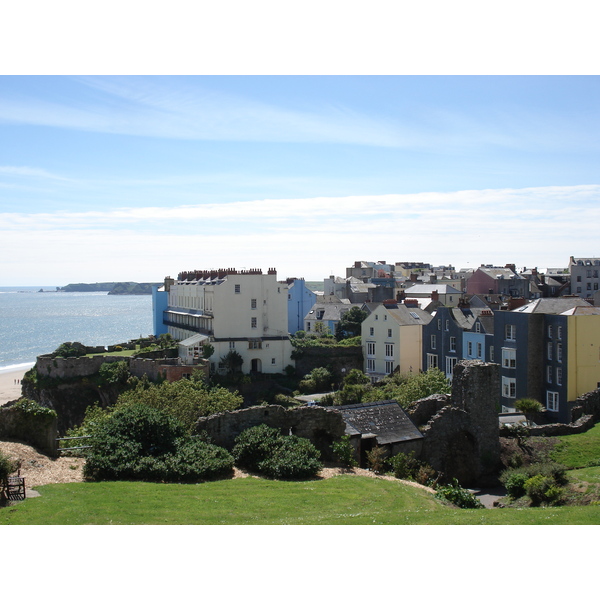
column 14, row 488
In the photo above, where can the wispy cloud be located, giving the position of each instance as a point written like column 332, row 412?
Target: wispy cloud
column 311, row 237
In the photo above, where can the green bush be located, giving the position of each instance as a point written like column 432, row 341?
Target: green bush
column 515, row 484
column 344, row 451
column 139, row 442
column 458, row 496
column 536, row 488
column 265, row 450
column 376, row 459
column 114, row 372
column 404, row 466
column 7, row 466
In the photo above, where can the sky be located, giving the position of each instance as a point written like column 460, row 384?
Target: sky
column 111, row 178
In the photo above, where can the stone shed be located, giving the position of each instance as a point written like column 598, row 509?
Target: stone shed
column 381, row 423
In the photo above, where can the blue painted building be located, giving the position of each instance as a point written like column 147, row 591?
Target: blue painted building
column 300, row 301
column 160, row 302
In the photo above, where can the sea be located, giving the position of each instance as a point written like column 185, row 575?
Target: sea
column 34, row 322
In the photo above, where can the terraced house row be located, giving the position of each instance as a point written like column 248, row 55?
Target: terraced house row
column 548, row 349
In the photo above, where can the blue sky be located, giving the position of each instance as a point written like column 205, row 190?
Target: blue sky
column 139, row 177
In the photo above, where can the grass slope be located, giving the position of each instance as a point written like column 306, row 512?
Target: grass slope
column 343, row 500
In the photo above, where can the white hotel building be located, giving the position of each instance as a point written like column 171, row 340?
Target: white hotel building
column 245, row 311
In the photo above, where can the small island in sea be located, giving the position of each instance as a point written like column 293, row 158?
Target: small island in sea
column 130, row 288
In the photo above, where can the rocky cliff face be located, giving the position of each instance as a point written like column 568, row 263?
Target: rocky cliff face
column 70, row 400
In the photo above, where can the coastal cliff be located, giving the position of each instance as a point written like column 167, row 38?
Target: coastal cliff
column 129, row 288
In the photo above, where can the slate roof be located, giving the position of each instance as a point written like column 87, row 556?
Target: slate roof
column 385, row 419
column 552, row 306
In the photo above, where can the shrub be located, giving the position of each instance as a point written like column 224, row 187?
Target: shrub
column 515, row 484
column 7, row 466
column 376, row 459
column 294, row 458
column 528, row 405
column 114, row 372
column 70, row 350
column 343, row 450
column 404, row 466
column 458, row 495
column 139, row 442
column 265, row 450
column 536, row 488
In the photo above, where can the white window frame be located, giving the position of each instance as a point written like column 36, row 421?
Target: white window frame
column 371, row 349
column 370, row 365
column 549, row 374
column 552, row 401
column 549, row 350
column 559, row 352
column 509, row 358
column 509, row 387
column 558, row 375
column 452, row 343
column 510, row 332
column 389, row 350
column 389, row 367
column 253, row 323
column 450, row 364
column 433, row 342
column 432, row 361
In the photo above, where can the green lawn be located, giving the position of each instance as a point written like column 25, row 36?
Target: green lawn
column 343, row 500
column 578, row 450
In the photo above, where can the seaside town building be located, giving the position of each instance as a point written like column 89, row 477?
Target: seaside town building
column 241, row 311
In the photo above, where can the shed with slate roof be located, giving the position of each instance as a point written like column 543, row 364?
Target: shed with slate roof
column 381, row 423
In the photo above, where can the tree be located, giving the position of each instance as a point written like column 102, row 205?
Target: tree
column 233, row 362
column 207, row 350
column 529, row 407
column 187, row 400
column 349, row 324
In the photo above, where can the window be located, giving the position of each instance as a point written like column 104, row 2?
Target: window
column 447, row 325
column 231, row 345
column 254, row 345
column 452, row 344
column 509, row 358
column 371, row 348
column 237, row 288
column 550, row 331
column 389, row 367
column 370, row 365
column 389, row 333
column 371, row 331
column 558, row 375
column 272, row 361
column 450, row 362
column 559, row 352
column 433, row 342
column 510, row 332
column 389, row 350
column 253, row 304
column 491, row 353
column 253, row 323
column 478, row 327
column 479, row 350
column 439, row 324
column 509, row 387
column 552, row 401
column 549, row 374
column 549, row 349
column 559, row 332
column 432, row 361
column 469, row 348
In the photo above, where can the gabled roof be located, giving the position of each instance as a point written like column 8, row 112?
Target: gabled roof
column 429, row 288
column 385, row 420
column 330, row 312
column 408, row 315
column 582, row 310
column 552, row 306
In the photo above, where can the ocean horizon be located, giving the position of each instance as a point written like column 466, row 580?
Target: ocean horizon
column 33, row 323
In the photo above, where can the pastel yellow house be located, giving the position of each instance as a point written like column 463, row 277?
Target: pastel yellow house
column 392, row 338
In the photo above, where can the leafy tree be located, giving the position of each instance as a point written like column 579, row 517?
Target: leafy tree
column 7, row 466
column 356, row 376
column 207, row 350
column 166, row 341
column 233, row 362
column 186, row 399
column 406, row 389
column 350, row 323
column 114, row 372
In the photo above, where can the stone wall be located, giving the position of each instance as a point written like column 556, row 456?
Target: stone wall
column 39, row 431
column 588, row 404
column 462, row 439
column 168, row 368
column 422, row 410
column 319, row 425
column 66, row 368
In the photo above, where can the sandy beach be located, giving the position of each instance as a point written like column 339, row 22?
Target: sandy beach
column 9, row 390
